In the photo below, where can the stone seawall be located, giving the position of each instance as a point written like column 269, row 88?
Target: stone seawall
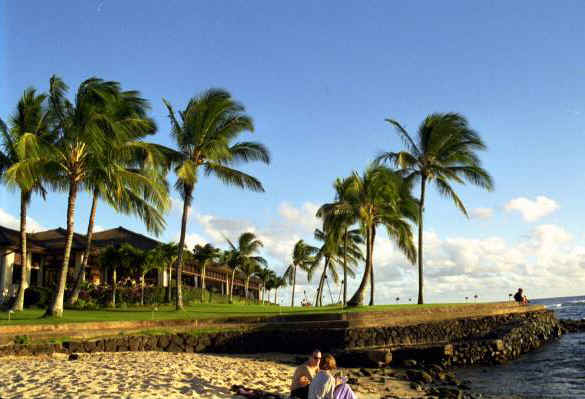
column 471, row 340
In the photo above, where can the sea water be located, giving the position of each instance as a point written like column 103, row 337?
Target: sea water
column 555, row 371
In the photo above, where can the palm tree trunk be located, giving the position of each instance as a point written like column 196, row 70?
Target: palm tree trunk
column 232, row 285
column 56, row 307
column 319, row 299
column 114, row 286
column 420, row 239
column 186, row 206
column 345, row 268
column 18, row 305
column 246, row 288
column 292, row 302
column 142, row 290
column 202, row 282
column 81, row 274
column 275, row 292
column 169, row 291
column 372, row 267
column 358, row 298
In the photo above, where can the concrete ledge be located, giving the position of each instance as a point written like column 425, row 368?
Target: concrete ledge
column 403, row 317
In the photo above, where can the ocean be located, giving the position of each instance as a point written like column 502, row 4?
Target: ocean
column 553, row 372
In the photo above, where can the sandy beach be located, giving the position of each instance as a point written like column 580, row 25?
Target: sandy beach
column 150, row 375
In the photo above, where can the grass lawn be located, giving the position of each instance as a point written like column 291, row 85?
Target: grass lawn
column 195, row 312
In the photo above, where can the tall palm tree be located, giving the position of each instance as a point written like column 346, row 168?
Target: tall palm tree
column 84, row 128
column 30, row 120
column 443, row 152
column 380, row 197
column 245, row 252
column 119, row 259
column 205, row 255
column 204, row 134
column 131, row 176
column 303, row 256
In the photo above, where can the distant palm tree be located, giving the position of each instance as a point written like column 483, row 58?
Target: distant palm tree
column 336, row 253
column 380, row 197
column 250, row 267
column 338, row 217
column 444, row 151
column 279, row 282
column 131, row 177
column 170, row 251
column 122, row 259
column 204, row 136
column 245, row 252
column 303, row 256
column 30, row 120
column 205, row 255
column 152, row 259
column 266, row 276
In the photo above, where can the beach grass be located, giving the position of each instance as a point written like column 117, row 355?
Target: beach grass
column 193, row 312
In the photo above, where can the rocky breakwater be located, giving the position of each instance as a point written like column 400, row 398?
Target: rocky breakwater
column 573, row 326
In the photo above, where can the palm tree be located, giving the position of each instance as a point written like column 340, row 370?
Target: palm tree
column 204, row 135
column 152, row 259
column 171, row 251
column 250, row 267
column 339, row 249
column 303, row 256
column 380, row 196
column 444, row 151
column 83, row 130
column 131, row 177
column 205, row 255
column 279, row 282
column 30, row 120
column 339, row 217
column 119, row 259
column 266, row 276
column 248, row 246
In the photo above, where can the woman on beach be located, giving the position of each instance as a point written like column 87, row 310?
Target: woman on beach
column 326, row 386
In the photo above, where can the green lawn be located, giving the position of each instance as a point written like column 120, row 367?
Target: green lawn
column 196, row 312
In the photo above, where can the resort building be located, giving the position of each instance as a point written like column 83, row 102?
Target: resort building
column 45, row 257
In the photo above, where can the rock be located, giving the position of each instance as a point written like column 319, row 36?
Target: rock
column 419, row 376
column 364, row 358
column 409, row 363
column 365, row 372
column 416, row 386
column 73, row 356
column 450, row 393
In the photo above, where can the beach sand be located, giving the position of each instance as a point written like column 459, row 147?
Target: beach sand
column 150, row 375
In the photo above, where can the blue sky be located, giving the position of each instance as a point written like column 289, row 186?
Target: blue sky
column 319, row 78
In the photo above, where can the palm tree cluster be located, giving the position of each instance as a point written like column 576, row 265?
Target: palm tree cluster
column 96, row 142
column 443, row 152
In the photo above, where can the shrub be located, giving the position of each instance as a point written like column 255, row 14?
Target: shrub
column 37, row 297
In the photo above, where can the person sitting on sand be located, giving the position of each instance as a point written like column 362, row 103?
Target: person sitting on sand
column 520, row 297
column 326, row 386
column 303, row 376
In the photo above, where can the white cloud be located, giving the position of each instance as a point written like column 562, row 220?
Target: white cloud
column 13, row 222
column 482, row 213
column 531, row 210
column 98, row 228
column 303, row 217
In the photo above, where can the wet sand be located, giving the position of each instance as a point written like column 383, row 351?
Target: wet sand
column 152, row 375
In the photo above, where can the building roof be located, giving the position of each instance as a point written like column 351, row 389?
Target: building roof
column 121, row 235
column 10, row 238
column 56, row 238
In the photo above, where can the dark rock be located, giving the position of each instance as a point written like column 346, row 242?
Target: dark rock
column 416, row 386
column 73, row 356
column 419, row 376
column 409, row 363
